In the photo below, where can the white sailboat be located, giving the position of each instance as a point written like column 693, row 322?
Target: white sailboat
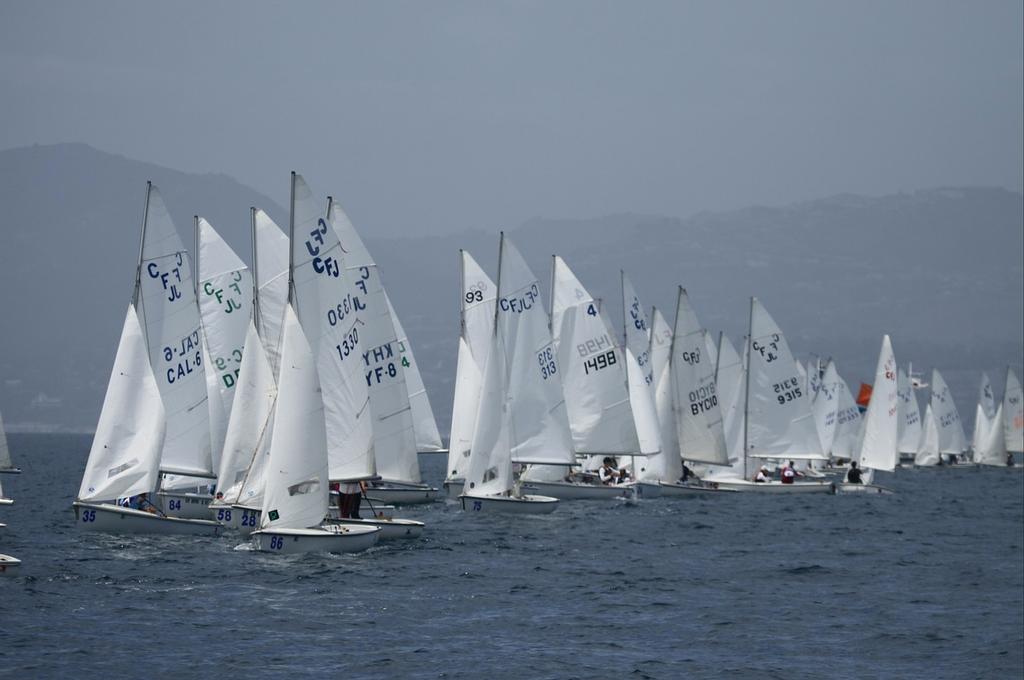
column 394, row 432
column 777, row 417
column 952, row 441
column 910, row 418
column 594, row 385
column 296, row 497
column 476, row 329
column 984, row 416
column 6, row 466
column 225, row 293
column 1013, row 413
column 522, row 416
column 990, row 447
column 428, row 437
column 141, row 431
column 879, row 448
column 846, row 442
column 928, row 448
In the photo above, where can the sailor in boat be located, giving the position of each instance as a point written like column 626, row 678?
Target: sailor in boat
column 610, row 474
column 1009, row 459
column 790, row 473
column 350, row 497
column 762, row 475
column 142, row 502
column 853, row 474
column 688, row 475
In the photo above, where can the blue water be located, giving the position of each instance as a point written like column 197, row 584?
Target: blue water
column 928, row 583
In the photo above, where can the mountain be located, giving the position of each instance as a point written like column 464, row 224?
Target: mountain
column 939, row 270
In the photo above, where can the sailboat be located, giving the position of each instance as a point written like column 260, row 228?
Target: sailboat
column 1013, row 413
column 910, row 418
column 476, row 327
column 394, row 431
column 928, row 449
column 296, row 496
column 984, row 416
column 952, row 441
column 777, row 419
column 594, row 384
column 879, row 448
column 225, row 298
column 6, row 466
column 150, row 421
column 522, row 415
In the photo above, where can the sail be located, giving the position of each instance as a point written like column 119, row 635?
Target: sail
column 593, row 371
column 428, row 438
column 990, row 448
column 394, row 437
column 167, row 309
column 636, row 323
column 477, row 329
column 489, row 468
column 271, row 258
column 846, row 442
column 667, row 464
column 639, row 371
column 947, row 418
column 928, row 447
column 225, row 306
column 910, row 414
column 538, row 424
column 698, row 415
column 826, row 402
column 125, row 454
column 328, row 306
column 779, row 419
column 247, row 439
column 5, row 452
column 880, row 446
column 1013, row 413
column 987, row 397
column 296, row 487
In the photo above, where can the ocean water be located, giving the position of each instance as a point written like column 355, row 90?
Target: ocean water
column 925, row 584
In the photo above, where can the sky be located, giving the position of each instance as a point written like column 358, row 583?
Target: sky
column 436, row 117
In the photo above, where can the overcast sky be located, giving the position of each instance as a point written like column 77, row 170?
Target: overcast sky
column 440, row 116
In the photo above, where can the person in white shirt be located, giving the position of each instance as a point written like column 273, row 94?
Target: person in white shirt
column 762, row 475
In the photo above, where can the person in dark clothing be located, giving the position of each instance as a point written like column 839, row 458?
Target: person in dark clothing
column 853, row 474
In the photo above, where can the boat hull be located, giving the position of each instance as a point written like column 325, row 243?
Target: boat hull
column 873, row 489
column 378, row 512
column 244, row 519
column 10, row 471
column 686, row 489
column 777, row 487
column 117, row 520
column 390, row 529
column 330, row 538
column 522, row 505
column 184, row 504
column 402, row 495
column 569, row 491
column 9, row 565
column 454, row 487
column 646, row 489
column 6, row 501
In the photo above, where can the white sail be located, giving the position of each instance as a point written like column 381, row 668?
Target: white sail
column 5, row 452
column 698, row 415
column 928, row 447
column 296, row 486
column 394, row 437
column 593, row 370
column 779, row 420
column 880, row 445
column 987, row 397
column 167, row 309
column 1013, row 413
column 825, row 389
column 271, row 257
column 488, row 471
column 125, row 454
column 636, row 322
column 910, row 414
column 328, row 307
column 947, row 418
column 639, row 371
column 538, row 424
column 846, row 442
column 428, row 437
column 476, row 332
column 667, row 464
column 247, row 440
column 225, row 305
column 990, row 448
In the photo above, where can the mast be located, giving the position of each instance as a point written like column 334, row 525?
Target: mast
column 142, row 246
column 195, row 277
column 255, row 269
column 551, row 301
column 291, row 241
column 462, row 302
column 746, row 388
column 718, row 358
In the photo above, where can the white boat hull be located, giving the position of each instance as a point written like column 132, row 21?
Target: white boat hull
column 6, row 501
column 184, row 504
column 330, row 538
column 9, row 564
column 454, row 487
column 118, row 520
column 677, row 489
column 777, row 487
column 241, row 518
column 402, row 495
column 522, row 505
column 646, row 489
column 10, row 471
column 378, row 512
column 389, row 528
column 570, row 491
column 875, row 489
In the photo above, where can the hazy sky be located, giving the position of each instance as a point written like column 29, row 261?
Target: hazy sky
column 441, row 116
